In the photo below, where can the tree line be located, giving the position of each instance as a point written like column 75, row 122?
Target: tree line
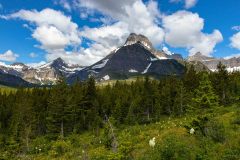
column 85, row 106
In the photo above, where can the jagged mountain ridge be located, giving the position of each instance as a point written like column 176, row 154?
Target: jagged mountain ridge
column 136, row 57
column 46, row 74
column 232, row 64
column 134, row 38
column 13, row 81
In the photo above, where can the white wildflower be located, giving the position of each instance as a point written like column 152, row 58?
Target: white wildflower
column 152, row 142
column 192, row 131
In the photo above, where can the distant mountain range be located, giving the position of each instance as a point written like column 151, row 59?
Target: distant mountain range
column 232, row 64
column 136, row 57
column 46, row 74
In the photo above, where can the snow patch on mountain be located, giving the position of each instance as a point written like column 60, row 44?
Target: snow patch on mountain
column 233, row 69
column 101, row 65
column 229, row 69
column 72, row 69
column 106, row 77
column 162, row 58
column 115, row 51
column 146, row 70
column 93, row 71
column 144, row 44
column 47, row 65
column 133, row 71
column 134, row 38
column 153, row 59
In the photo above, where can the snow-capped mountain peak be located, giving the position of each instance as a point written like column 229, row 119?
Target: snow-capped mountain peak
column 232, row 63
column 48, row 73
column 134, row 38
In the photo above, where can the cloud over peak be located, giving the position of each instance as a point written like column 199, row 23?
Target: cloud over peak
column 127, row 16
column 59, row 36
column 8, row 56
column 184, row 29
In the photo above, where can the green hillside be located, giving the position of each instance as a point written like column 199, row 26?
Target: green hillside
column 173, row 140
column 194, row 117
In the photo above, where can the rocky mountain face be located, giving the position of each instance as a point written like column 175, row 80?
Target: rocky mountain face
column 144, row 41
column 232, row 64
column 136, row 57
column 46, row 74
column 13, row 81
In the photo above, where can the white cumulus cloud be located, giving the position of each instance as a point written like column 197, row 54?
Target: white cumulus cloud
column 187, row 3
column 184, row 29
column 8, row 56
column 235, row 41
column 59, row 36
column 190, row 3
column 54, row 30
column 50, row 37
column 127, row 16
column 64, row 3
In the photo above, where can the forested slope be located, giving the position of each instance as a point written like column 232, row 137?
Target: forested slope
column 84, row 121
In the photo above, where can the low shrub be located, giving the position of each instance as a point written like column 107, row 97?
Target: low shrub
column 216, row 131
column 237, row 119
column 172, row 148
column 59, row 148
column 40, row 145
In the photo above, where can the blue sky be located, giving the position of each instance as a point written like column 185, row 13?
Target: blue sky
column 83, row 31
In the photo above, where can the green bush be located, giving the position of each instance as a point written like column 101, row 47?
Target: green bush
column 115, row 156
column 237, row 119
column 199, row 125
column 59, row 148
column 40, row 145
column 125, row 149
column 209, row 128
column 172, row 148
column 216, row 131
column 232, row 153
column 75, row 140
column 2, row 140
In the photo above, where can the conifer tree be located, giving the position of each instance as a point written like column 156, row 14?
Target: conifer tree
column 57, row 113
column 221, row 83
column 181, row 100
column 204, row 95
column 191, row 79
column 90, row 104
column 135, row 111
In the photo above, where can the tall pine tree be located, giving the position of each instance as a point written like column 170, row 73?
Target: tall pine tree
column 204, row 95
